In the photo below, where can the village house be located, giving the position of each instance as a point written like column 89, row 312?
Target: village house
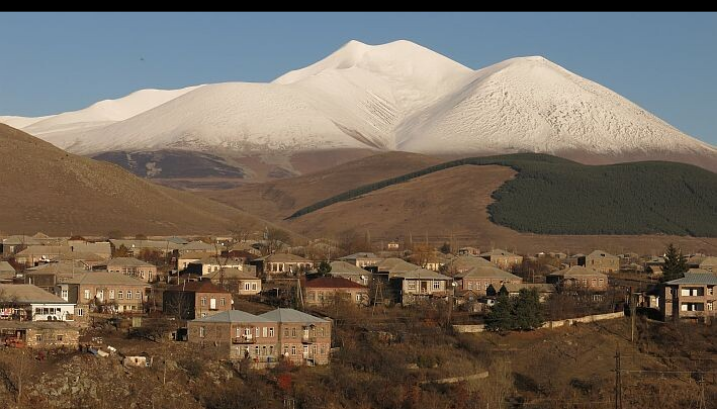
column 242, row 282
column 692, row 297
column 133, row 267
column 419, row 284
column 102, row 249
column 135, row 246
column 196, row 299
column 393, row 245
column 703, row 262
column 282, row 264
column 501, row 258
column 267, row 338
column 209, row 264
column 468, row 251
column 39, row 334
column 7, row 272
column 603, row 262
column 362, row 260
column 47, row 276
column 480, row 278
column 27, row 302
column 200, row 247
column 245, row 247
column 326, row 290
column 462, row 264
column 653, row 265
column 184, row 260
column 113, row 291
column 579, row 277
column 302, row 338
column 238, row 335
column 513, row 290
column 13, row 244
column 352, row 272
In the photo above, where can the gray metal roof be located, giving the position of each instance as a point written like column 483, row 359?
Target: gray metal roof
column 233, row 316
column 28, row 293
column 695, row 278
column 290, row 315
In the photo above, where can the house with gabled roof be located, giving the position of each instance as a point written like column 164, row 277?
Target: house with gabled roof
column 196, row 299
column 238, row 334
column 282, row 263
column 363, row 259
column 112, row 291
column 326, row 290
column 133, row 267
column 579, row 277
column 693, row 296
column 7, row 272
column 342, row 269
column 28, row 302
column 242, row 282
column 302, row 338
column 480, row 278
column 603, row 262
column 502, row 258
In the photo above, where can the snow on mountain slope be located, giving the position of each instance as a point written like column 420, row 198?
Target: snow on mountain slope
column 241, row 116
column 98, row 114
column 532, row 104
column 395, row 96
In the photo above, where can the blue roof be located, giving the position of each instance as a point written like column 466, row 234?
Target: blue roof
column 233, row 316
column 291, row 315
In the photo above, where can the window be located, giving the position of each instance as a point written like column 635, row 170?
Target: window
column 286, row 333
column 311, row 296
column 265, row 332
column 201, row 332
column 272, row 332
column 38, row 338
column 222, row 302
column 358, row 297
column 710, row 306
column 59, row 337
column 80, row 312
column 321, row 330
column 120, row 295
column 292, row 350
column 410, row 285
column 254, row 286
column 138, row 295
column 246, row 333
column 203, row 301
column 65, row 294
column 257, row 332
column 285, row 349
column 711, row 290
column 601, row 281
column 436, row 285
column 87, row 294
column 247, row 286
column 293, row 334
column 112, row 294
column 237, row 332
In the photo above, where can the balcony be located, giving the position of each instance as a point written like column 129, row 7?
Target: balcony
column 243, row 340
column 308, row 339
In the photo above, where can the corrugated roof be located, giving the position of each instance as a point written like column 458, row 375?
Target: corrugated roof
column 96, row 278
column 291, row 315
column 127, row 261
column 488, row 272
column 233, row 273
column 600, row 253
column 198, row 245
column 576, row 271
column 498, row 252
column 5, row 267
column 355, row 256
column 344, row 268
column 198, row 287
column 233, row 316
column 696, row 278
column 28, row 293
column 542, row 288
column 468, row 262
column 332, row 282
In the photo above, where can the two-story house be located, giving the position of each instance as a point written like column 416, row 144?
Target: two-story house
column 133, row 267
column 28, row 302
column 196, row 299
column 691, row 297
column 327, row 290
column 113, row 291
column 501, row 258
column 603, row 262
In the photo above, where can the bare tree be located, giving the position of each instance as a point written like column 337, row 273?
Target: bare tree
column 16, row 366
column 274, row 240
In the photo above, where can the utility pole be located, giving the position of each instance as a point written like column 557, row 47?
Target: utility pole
column 632, row 316
column 701, row 399
column 618, row 381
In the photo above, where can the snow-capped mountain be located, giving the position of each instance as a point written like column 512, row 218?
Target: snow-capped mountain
column 396, row 96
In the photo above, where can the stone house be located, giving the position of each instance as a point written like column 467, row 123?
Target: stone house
column 603, row 262
column 692, row 297
column 501, row 258
column 39, row 334
column 342, row 269
column 282, row 264
column 196, row 299
column 324, row 290
column 103, row 290
column 579, row 277
column 362, row 260
column 243, row 282
column 133, row 267
column 480, row 278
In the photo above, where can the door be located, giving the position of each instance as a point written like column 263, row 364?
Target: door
column 306, row 354
column 213, row 305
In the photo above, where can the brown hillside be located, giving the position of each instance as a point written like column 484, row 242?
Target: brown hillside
column 455, row 201
column 279, row 199
column 46, row 189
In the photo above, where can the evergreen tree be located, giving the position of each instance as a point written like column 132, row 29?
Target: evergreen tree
column 675, row 265
column 528, row 310
column 500, row 316
column 324, row 268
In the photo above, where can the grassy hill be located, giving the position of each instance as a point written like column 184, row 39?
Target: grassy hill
column 49, row 190
column 550, row 195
